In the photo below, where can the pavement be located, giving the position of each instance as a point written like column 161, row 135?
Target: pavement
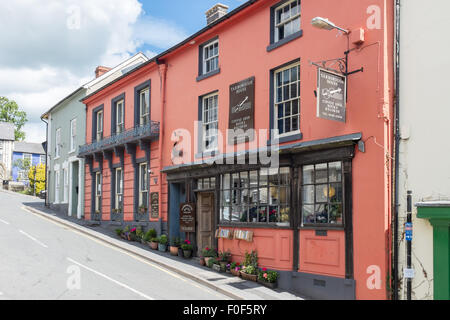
column 216, row 286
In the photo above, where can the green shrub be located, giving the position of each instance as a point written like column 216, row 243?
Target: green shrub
column 119, row 232
column 163, row 239
column 209, row 253
column 268, row 275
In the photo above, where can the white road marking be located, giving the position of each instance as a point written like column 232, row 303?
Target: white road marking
column 5, row 222
column 32, row 238
column 112, row 280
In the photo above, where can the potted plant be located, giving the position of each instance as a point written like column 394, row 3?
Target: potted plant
column 187, row 249
column 132, row 235
column 162, row 243
column 154, row 243
column 174, row 246
column 140, row 235
column 208, row 254
column 268, row 278
column 142, row 209
column 211, row 262
column 250, row 269
column 119, row 232
column 149, row 237
column 125, row 232
column 224, row 260
column 235, row 268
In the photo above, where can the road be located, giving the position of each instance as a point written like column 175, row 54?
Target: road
column 42, row 260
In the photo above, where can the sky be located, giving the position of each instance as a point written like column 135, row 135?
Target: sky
column 49, row 48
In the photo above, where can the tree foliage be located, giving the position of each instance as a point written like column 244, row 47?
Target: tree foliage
column 36, row 175
column 10, row 112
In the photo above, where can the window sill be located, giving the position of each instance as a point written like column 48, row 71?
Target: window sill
column 207, row 75
column 282, row 42
column 254, row 225
column 293, row 137
column 323, row 227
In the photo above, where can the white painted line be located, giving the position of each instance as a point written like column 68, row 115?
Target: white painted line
column 112, row 280
column 5, row 222
column 32, row 238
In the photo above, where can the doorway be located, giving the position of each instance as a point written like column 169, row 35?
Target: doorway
column 205, row 221
column 74, row 188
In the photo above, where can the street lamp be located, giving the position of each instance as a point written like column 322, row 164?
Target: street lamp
column 325, row 24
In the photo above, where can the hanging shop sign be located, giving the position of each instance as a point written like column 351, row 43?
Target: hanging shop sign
column 187, row 217
column 154, row 203
column 331, row 95
column 242, row 111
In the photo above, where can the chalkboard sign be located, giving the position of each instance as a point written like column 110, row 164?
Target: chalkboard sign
column 154, row 202
column 187, row 217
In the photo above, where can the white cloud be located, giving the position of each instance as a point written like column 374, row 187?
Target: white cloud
column 51, row 47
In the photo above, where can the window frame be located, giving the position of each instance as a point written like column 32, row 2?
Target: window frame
column 202, row 74
column 144, row 118
column 120, row 125
column 57, row 143
column 98, row 193
column 137, row 102
column 204, row 98
column 141, row 189
column 73, row 135
column 98, row 132
column 118, row 189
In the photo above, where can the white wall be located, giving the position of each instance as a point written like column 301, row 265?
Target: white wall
column 425, row 127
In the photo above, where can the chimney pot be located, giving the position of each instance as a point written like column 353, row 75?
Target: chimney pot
column 216, row 12
column 101, row 70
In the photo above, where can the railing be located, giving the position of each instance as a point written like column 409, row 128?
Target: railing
column 150, row 130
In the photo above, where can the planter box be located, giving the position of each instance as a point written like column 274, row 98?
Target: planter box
column 270, row 285
column 235, row 273
column 249, row 277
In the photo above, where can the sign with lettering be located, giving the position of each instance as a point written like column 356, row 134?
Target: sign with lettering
column 408, row 231
column 331, row 95
column 187, row 217
column 154, row 202
column 242, row 111
column 224, row 233
column 243, row 235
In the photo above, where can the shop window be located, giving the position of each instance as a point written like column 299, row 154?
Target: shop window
column 322, row 194
column 206, row 183
column 259, row 196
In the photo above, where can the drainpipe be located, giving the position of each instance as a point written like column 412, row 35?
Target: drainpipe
column 397, row 151
column 162, row 76
column 46, row 168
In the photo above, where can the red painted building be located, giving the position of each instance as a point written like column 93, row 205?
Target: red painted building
column 322, row 216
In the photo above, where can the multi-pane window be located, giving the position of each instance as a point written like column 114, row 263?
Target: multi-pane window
column 42, row 159
column 28, row 157
column 98, row 192
column 206, row 183
column 120, row 123
column 287, row 100
column 99, row 125
column 211, row 57
column 66, row 185
column 143, row 185
column 119, row 189
column 287, row 19
column 210, row 122
column 58, row 143
column 73, row 134
column 322, row 194
column 144, row 98
column 258, row 196
column 1, row 150
column 57, row 186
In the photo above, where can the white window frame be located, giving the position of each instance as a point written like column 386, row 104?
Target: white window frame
column 99, row 134
column 277, row 24
column 120, row 122
column 57, row 185
column 119, row 188
column 66, row 185
column 143, row 188
column 42, row 159
column 144, row 112
column 214, row 56
column 58, row 143
column 98, row 192
column 210, row 122
column 73, row 134
column 28, row 154
column 283, row 101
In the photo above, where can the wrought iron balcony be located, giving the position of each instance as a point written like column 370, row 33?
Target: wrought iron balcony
column 146, row 132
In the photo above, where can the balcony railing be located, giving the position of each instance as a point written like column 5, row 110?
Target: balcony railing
column 148, row 131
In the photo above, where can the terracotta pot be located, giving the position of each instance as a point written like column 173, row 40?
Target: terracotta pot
column 207, row 259
column 154, row 245
column 173, row 251
column 202, row 262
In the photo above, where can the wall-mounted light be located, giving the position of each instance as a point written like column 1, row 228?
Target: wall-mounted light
column 322, row 23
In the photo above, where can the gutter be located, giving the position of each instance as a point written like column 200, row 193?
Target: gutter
column 396, row 175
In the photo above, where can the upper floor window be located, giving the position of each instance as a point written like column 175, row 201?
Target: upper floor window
column 42, row 159
column 210, row 122
column 73, row 134
column 144, row 102
column 99, row 133
column 120, row 122
column 287, row 100
column 287, row 19
column 58, row 143
column 28, row 157
column 211, row 57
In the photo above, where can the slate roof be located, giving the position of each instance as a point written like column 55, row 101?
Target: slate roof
column 7, row 131
column 27, row 147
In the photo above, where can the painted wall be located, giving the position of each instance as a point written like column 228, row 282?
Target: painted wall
column 60, row 118
column 243, row 40
column 424, row 152
column 104, row 97
column 35, row 160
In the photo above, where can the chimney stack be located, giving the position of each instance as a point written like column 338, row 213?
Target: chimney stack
column 100, row 70
column 216, row 12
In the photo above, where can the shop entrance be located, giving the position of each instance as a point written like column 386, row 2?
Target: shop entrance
column 205, row 220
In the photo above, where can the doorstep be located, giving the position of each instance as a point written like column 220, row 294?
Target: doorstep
column 224, row 283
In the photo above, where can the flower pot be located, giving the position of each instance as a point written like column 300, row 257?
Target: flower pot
column 202, row 261
column 235, row 273
column 173, row 251
column 216, row 267
column 270, row 285
column 162, row 247
column 206, row 260
column 223, row 266
column 154, row 245
column 187, row 254
column 249, row 277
